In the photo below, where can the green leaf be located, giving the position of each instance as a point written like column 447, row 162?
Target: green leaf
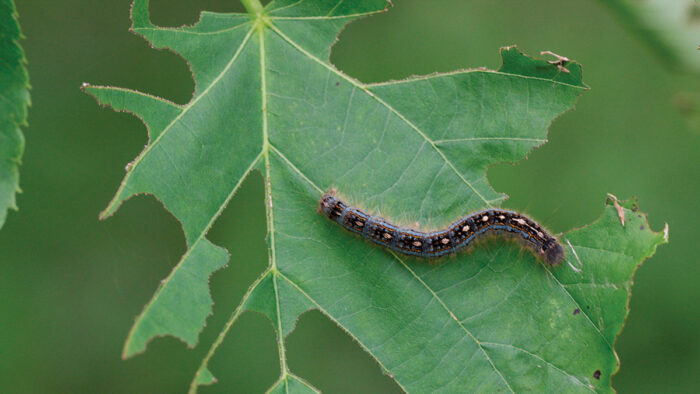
column 14, row 100
column 670, row 28
column 267, row 99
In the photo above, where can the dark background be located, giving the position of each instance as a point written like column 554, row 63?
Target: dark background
column 70, row 286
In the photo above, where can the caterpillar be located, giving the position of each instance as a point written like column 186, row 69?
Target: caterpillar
column 458, row 235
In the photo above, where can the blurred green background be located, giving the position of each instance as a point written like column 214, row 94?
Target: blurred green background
column 70, row 286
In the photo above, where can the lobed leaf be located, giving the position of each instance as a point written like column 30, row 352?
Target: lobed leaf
column 267, row 99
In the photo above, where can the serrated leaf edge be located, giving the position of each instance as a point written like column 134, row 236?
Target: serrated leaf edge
column 264, row 155
column 613, row 202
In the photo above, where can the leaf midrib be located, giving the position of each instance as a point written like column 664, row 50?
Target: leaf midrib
column 432, row 143
column 264, row 154
column 405, row 266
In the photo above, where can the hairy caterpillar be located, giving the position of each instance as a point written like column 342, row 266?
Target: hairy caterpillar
column 458, row 235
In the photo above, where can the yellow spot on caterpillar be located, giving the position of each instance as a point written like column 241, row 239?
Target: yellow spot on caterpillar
column 485, row 218
column 386, row 235
column 416, row 243
column 465, row 229
column 445, row 241
column 359, row 223
column 501, row 217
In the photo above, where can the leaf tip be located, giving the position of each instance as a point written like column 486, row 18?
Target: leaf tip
column 139, row 14
column 110, row 210
column 129, row 350
column 91, row 90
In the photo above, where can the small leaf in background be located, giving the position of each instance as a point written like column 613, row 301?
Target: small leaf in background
column 670, row 28
column 14, row 100
column 417, row 150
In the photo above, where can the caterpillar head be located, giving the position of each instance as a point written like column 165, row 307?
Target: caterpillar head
column 553, row 252
column 330, row 206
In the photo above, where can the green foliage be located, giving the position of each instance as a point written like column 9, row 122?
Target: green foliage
column 671, row 28
column 14, row 99
column 267, row 98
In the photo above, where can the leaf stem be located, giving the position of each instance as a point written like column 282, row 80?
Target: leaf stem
column 253, row 7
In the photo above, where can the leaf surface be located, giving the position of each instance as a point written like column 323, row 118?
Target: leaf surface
column 14, row 100
column 417, row 150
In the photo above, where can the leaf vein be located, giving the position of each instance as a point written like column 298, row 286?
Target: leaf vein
column 596, row 328
column 541, row 359
column 384, row 103
column 334, row 320
column 447, row 309
column 294, row 168
column 176, row 119
column 198, row 33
